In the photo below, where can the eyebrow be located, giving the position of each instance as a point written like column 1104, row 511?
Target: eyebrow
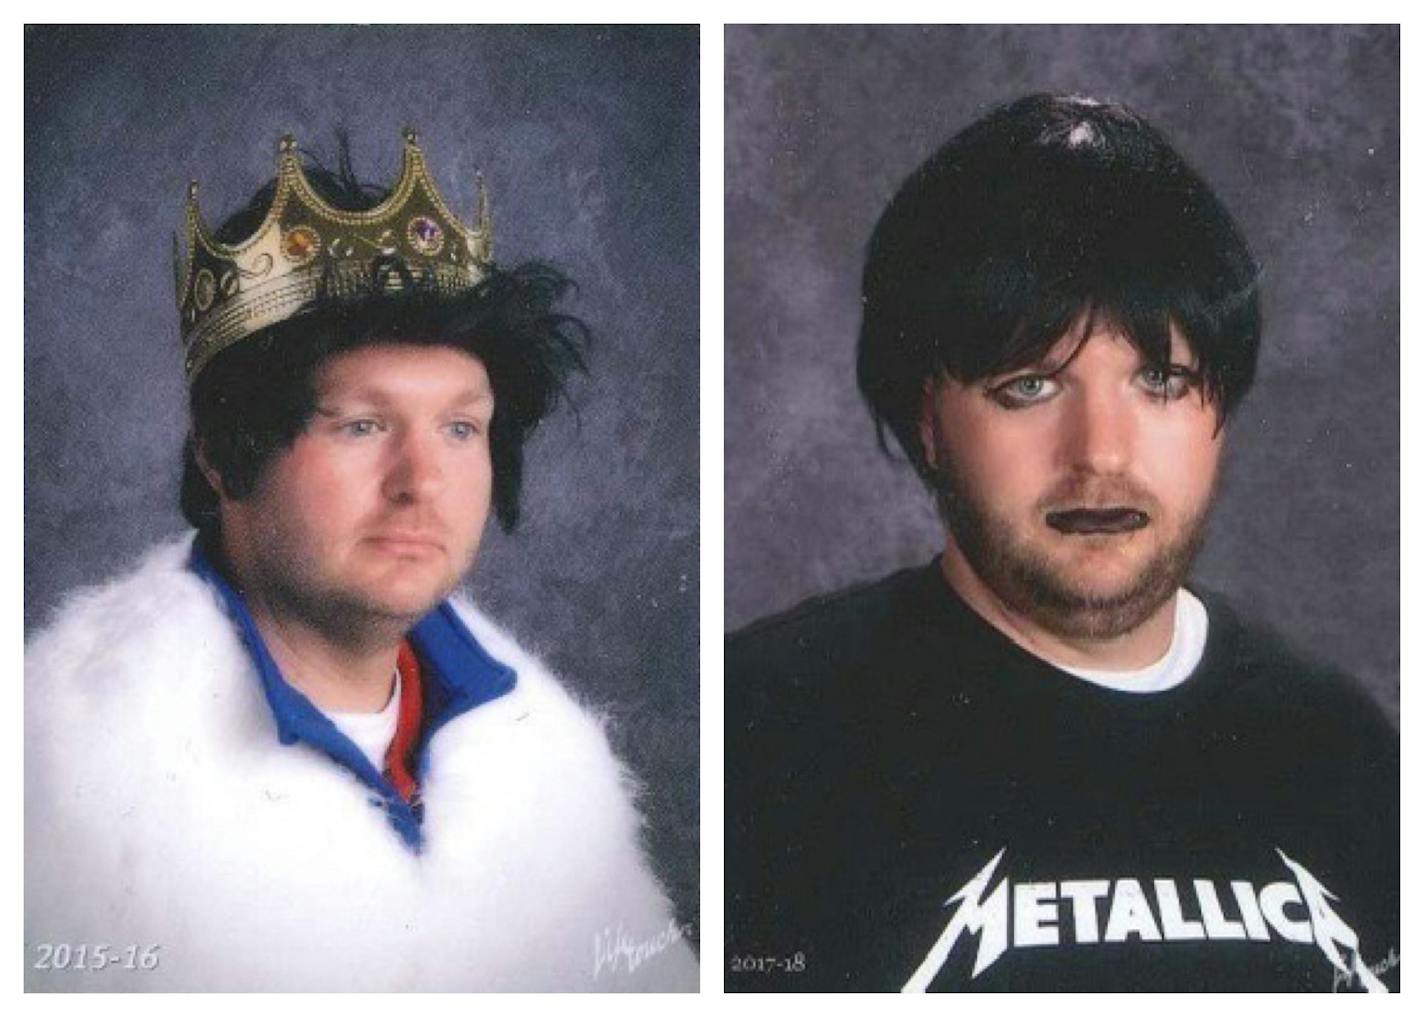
column 473, row 397
column 470, row 397
column 1045, row 366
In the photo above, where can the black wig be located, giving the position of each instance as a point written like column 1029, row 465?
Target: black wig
column 1048, row 212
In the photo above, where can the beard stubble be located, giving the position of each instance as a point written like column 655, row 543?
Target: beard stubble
column 1031, row 583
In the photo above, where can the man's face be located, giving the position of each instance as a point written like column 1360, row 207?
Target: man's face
column 1077, row 489
column 376, row 510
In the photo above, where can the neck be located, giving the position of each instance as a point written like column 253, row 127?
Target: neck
column 1140, row 647
column 337, row 676
column 341, row 669
column 341, row 677
column 341, row 662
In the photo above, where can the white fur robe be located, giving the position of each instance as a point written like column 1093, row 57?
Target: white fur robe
column 161, row 811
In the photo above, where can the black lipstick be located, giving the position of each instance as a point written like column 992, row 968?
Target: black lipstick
column 1097, row 520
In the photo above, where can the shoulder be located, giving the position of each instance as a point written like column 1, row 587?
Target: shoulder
column 541, row 760
column 129, row 676
column 96, row 619
column 1267, row 674
column 539, row 699
column 803, row 687
column 846, row 620
column 151, row 643
column 816, row 658
column 1298, row 737
column 545, row 745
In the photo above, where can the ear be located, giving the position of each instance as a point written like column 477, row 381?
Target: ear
column 210, row 474
column 928, row 399
column 1218, row 433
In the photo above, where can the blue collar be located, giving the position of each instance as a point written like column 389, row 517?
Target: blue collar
column 458, row 674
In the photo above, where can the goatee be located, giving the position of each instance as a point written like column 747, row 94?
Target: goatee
column 1031, row 583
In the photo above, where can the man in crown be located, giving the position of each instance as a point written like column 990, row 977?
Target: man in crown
column 283, row 753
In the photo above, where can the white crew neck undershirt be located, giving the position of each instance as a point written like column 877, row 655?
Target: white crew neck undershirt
column 372, row 732
column 1177, row 664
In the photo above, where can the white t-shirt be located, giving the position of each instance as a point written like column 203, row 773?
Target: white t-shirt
column 1175, row 667
column 372, row 732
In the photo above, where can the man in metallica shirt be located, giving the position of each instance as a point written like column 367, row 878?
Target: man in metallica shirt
column 1042, row 762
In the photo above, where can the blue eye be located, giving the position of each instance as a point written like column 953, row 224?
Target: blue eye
column 361, row 428
column 1168, row 383
column 464, row 430
column 1025, row 390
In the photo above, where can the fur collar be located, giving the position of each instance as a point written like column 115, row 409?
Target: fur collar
column 161, row 810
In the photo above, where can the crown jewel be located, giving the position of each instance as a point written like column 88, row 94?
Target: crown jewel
column 226, row 292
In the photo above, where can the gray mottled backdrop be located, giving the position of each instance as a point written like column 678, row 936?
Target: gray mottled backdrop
column 588, row 141
column 1297, row 128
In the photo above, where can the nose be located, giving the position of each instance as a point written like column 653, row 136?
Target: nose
column 415, row 472
column 1099, row 432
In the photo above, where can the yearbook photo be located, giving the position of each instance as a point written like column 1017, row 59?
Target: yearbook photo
column 1062, row 526
column 361, row 501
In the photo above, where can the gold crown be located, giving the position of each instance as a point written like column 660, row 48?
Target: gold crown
column 305, row 247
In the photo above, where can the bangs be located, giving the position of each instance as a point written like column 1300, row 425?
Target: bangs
column 1145, row 320
column 1083, row 237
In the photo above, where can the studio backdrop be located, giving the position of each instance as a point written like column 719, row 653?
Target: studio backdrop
column 588, row 143
column 1295, row 128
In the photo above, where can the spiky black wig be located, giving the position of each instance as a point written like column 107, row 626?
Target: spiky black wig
column 257, row 396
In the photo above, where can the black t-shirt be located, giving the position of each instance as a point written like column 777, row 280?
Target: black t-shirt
column 914, row 801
